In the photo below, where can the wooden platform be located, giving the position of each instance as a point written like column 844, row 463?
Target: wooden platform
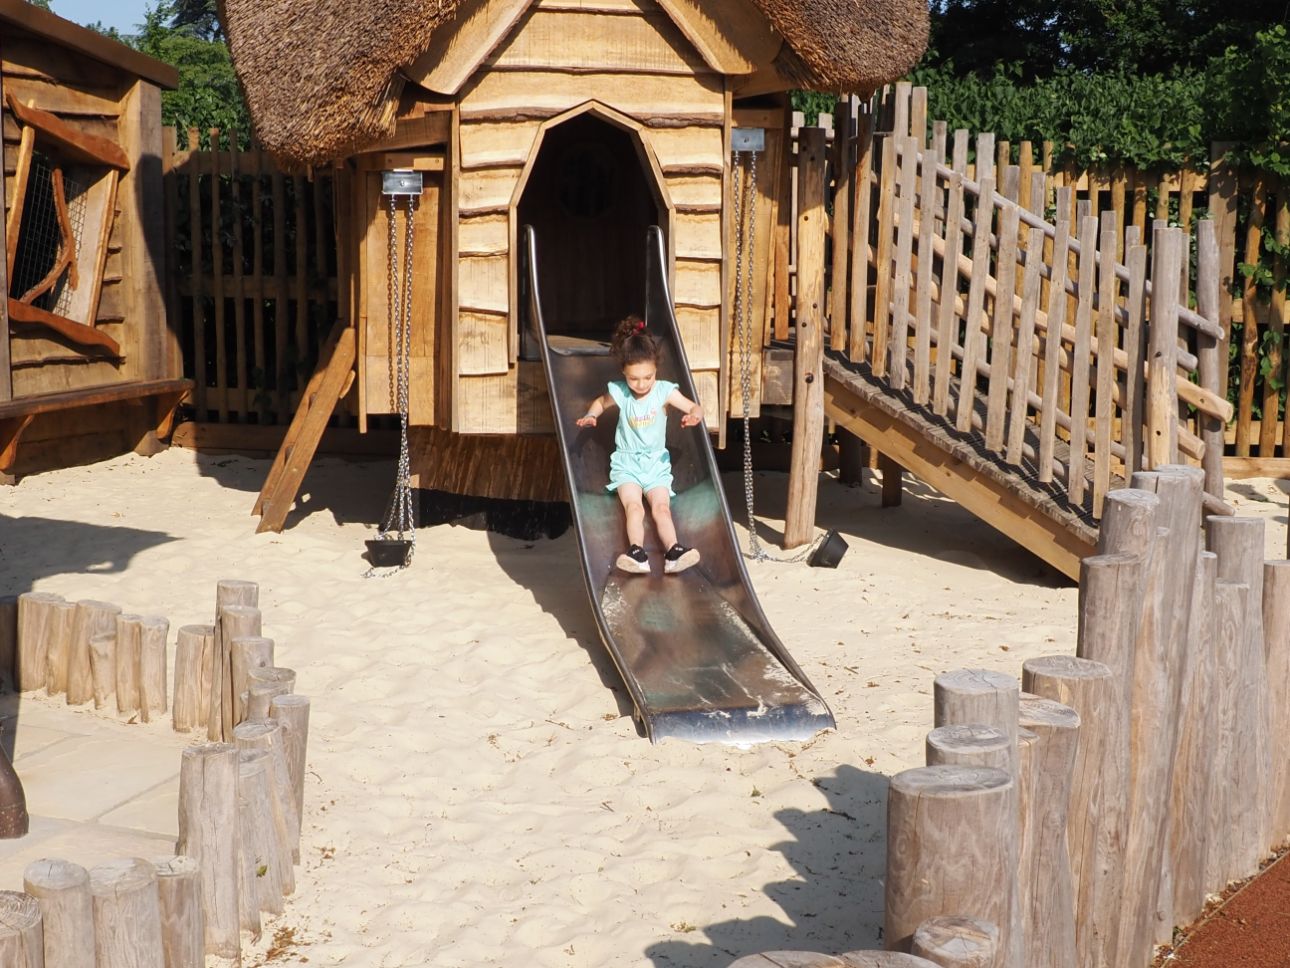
column 1037, row 516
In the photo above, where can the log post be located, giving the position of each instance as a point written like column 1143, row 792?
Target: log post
column 967, row 697
column 8, row 642
column 1162, row 351
column 127, row 914
column 951, row 845
column 103, row 667
column 129, row 645
column 261, row 734
column 808, row 356
column 192, row 666
column 969, row 745
column 1224, row 857
column 208, row 834
column 58, row 647
column 63, row 891
column 1188, row 812
column 1276, row 643
column 292, row 712
column 235, row 621
column 92, row 618
column 35, row 612
column 1109, row 614
column 956, row 942
column 264, row 684
column 229, row 591
column 1128, row 522
column 21, row 936
column 1097, row 822
column 1044, row 868
column 247, row 652
column 261, row 860
column 183, row 931
column 153, row 634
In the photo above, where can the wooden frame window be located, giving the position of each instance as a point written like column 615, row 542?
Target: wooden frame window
column 59, row 223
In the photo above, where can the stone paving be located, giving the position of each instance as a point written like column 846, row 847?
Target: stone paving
column 97, row 789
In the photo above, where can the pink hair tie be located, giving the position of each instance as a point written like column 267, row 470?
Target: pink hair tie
column 640, row 325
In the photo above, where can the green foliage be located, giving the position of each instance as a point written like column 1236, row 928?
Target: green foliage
column 812, row 104
column 42, row 4
column 1247, row 97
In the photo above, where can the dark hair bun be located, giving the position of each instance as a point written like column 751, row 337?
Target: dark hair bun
column 633, row 342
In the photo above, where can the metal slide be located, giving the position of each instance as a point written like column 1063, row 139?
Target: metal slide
column 694, row 649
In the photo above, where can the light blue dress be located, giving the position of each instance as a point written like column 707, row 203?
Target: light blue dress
column 640, row 444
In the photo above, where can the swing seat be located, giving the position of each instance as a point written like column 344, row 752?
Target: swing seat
column 388, row 552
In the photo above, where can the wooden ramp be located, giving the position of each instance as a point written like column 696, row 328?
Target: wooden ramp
column 329, row 383
column 1038, row 516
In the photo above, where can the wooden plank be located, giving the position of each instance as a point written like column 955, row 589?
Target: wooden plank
column 1081, row 352
column 694, row 193
column 1108, row 295
column 883, row 260
column 18, row 197
column 281, row 308
column 483, row 283
column 946, row 322
column 217, row 271
column 259, row 349
column 929, row 202
column 841, row 241
column 903, row 280
column 488, row 190
column 241, row 371
column 974, row 337
column 301, row 300
column 487, row 404
column 698, row 284
column 79, row 333
column 60, row 98
column 1252, row 314
column 1001, row 332
column 74, row 143
column 483, row 339
column 195, row 271
column 431, row 128
column 512, row 94
column 486, row 144
column 1133, row 411
column 1279, row 314
column 700, row 333
column 1223, row 189
column 581, row 41
column 1052, row 342
column 783, row 242
column 484, row 235
column 857, row 338
column 683, row 148
column 698, row 235
column 732, row 36
column 6, row 374
column 1162, row 352
column 460, row 45
column 1030, row 295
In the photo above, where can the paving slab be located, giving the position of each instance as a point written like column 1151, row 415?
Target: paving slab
column 154, row 811
column 81, row 843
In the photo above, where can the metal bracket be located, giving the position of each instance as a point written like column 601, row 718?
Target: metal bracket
column 748, row 139
column 402, row 182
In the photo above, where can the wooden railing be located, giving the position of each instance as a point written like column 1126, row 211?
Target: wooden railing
column 1028, row 332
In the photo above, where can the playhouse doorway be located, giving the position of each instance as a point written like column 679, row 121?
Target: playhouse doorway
column 590, row 200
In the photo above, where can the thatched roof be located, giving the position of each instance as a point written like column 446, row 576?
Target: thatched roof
column 322, row 78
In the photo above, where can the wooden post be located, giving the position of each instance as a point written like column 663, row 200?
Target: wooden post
column 153, row 633
column 957, row 942
column 1044, row 867
column 951, row 845
column 192, row 670
column 21, row 935
column 1276, row 642
column 35, row 613
column 58, row 648
column 92, row 618
column 63, row 891
column 293, row 713
column 1097, row 823
column 968, row 697
column 1228, row 856
column 1208, row 297
column 1239, row 544
column 127, row 914
column 8, row 640
column 183, row 931
column 235, row 622
column 230, row 591
column 248, row 652
column 1162, row 353
column 892, row 481
column 852, row 457
column 260, row 734
column 103, row 666
column 1188, row 813
column 264, row 684
column 968, row 745
column 208, row 834
column 262, row 853
column 129, row 644
column 808, row 358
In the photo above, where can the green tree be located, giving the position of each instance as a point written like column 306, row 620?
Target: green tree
column 42, row 4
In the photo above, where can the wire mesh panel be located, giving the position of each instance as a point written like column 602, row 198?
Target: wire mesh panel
column 44, row 240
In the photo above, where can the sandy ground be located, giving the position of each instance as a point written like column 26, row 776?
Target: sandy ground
column 478, row 794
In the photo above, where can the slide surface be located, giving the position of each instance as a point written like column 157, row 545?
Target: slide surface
column 694, row 649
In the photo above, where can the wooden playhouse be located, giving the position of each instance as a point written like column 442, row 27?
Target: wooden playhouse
column 590, row 120
column 88, row 364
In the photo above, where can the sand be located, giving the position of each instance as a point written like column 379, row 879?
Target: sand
column 477, row 791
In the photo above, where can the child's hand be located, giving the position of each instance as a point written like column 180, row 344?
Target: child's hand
column 693, row 418
column 586, row 420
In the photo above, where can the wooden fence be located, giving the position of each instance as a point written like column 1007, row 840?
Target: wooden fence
column 253, row 291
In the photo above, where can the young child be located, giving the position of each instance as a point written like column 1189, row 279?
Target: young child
column 641, row 467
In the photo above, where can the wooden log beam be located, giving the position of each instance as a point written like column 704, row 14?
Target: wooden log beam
column 193, row 647
column 957, row 942
column 263, row 686
column 58, row 647
column 103, row 666
column 1228, row 856
column 951, row 845
column 183, row 930
column 268, row 735
column 153, row 634
column 814, row 959
column 62, row 889
column 35, row 615
column 229, row 591
column 1276, row 642
column 80, row 146
column 129, row 645
column 978, row 697
column 969, row 745
column 127, row 914
column 808, row 359
column 292, row 711
column 260, row 868
column 208, row 834
column 248, row 653
column 92, row 618
column 21, row 932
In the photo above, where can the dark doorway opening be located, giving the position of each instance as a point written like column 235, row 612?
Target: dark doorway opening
column 589, row 201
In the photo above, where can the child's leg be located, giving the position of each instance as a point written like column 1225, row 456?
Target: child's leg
column 634, row 510
column 660, row 506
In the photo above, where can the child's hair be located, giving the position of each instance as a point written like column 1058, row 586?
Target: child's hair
column 633, row 343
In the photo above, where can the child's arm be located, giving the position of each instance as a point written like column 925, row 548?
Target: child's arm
column 692, row 413
column 598, row 406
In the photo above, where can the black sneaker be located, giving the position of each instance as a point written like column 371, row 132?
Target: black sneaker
column 679, row 558
column 634, row 561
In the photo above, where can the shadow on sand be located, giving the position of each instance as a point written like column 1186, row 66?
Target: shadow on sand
column 839, row 854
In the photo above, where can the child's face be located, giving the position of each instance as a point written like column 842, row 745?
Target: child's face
column 640, row 377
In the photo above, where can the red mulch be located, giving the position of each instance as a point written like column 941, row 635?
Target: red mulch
column 1248, row 928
